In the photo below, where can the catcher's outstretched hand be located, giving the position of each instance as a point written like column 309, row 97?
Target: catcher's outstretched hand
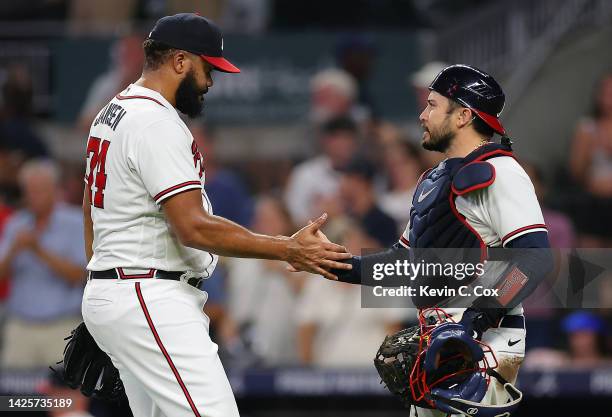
column 312, row 252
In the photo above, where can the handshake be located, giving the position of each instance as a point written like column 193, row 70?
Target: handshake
column 311, row 251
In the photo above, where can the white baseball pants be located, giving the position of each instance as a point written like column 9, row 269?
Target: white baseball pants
column 156, row 333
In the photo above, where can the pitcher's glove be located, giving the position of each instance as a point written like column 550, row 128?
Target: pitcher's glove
column 88, row 368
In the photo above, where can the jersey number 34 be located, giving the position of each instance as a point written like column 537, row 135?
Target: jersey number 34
column 96, row 155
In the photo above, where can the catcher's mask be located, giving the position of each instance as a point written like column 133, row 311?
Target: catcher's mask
column 452, row 359
column 446, row 368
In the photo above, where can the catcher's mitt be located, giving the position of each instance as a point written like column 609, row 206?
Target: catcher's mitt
column 395, row 360
column 88, row 368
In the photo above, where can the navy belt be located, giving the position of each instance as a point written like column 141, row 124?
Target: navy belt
column 117, row 273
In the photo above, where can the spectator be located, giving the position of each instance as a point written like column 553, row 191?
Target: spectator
column 229, row 199
column 313, row 184
column 261, row 291
column 355, row 54
column 72, row 182
column 422, row 79
column 356, row 194
column 420, row 82
column 334, row 94
column 126, row 65
column 585, row 335
column 334, row 330
column 591, row 167
column 403, row 168
column 5, row 214
column 379, row 136
column 9, row 166
column 43, row 252
column 585, row 340
column 604, row 292
column 16, row 133
column 225, row 189
column 382, row 133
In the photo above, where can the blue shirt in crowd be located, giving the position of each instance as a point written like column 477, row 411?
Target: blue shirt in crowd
column 36, row 292
column 229, row 197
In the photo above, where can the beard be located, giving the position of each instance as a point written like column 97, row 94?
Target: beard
column 439, row 139
column 189, row 97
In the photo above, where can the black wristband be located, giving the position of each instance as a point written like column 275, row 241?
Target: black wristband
column 351, row 276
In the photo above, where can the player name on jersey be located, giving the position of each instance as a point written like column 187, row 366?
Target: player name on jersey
column 110, row 115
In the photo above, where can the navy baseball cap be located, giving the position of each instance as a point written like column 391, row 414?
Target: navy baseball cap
column 196, row 34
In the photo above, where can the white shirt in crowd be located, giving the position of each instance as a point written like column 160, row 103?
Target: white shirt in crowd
column 264, row 299
column 309, row 182
column 346, row 334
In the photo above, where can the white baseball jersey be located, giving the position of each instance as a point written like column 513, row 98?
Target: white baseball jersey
column 139, row 153
column 505, row 210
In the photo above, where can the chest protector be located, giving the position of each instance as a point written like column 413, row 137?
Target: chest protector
column 434, row 219
column 435, row 222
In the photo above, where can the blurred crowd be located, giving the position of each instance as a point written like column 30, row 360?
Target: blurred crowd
column 362, row 171
column 244, row 16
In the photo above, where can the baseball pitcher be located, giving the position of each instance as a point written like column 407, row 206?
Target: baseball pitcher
column 151, row 236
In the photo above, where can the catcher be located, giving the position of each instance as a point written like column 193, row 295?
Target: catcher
column 465, row 360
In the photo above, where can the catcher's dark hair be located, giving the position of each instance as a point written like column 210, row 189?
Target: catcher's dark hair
column 156, row 53
column 482, row 128
column 478, row 124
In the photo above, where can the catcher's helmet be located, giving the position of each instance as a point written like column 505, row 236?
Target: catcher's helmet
column 474, row 89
